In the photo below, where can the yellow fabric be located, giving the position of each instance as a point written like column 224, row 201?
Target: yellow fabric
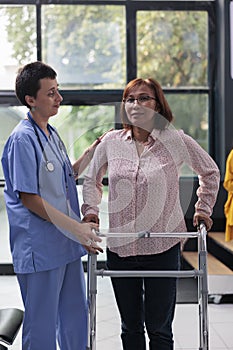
column 228, row 207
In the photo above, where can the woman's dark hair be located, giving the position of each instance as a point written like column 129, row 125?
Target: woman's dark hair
column 163, row 116
column 28, row 79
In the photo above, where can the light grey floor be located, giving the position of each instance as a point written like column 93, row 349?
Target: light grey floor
column 186, row 323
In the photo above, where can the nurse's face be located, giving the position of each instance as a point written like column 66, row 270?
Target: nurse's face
column 140, row 107
column 48, row 99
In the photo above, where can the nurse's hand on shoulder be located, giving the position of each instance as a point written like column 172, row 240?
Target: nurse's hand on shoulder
column 89, row 238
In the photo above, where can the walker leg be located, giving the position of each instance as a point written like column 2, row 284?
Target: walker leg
column 91, row 292
column 203, row 301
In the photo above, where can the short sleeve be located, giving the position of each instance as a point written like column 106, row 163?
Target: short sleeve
column 23, row 168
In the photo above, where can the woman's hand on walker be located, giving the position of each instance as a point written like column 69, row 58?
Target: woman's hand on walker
column 197, row 218
column 91, row 218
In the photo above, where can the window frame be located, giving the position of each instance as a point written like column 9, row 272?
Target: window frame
column 91, row 97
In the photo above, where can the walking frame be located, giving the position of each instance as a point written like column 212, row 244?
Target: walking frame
column 200, row 274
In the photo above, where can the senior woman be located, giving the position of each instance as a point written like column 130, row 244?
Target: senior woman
column 143, row 161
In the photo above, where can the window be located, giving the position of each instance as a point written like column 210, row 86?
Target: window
column 89, row 49
column 96, row 47
column 79, row 126
column 17, row 41
column 172, row 46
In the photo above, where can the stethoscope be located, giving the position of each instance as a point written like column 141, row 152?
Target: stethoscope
column 62, row 157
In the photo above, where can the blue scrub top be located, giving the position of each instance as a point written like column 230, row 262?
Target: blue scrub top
column 36, row 244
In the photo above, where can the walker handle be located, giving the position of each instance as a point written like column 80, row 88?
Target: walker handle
column 201, row 223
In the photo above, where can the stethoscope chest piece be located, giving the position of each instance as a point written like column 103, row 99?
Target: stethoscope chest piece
column 49, row 166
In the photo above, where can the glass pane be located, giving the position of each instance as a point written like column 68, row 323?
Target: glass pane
column 5, row 254
column 191, row 115
column 85, row 45
column 17, row 41
column 79, row 126
column 172, row 47
column 9, row 118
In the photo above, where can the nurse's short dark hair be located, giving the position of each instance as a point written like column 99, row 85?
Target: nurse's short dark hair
column 28, row 79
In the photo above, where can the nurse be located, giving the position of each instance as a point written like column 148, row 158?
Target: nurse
column 46, row 235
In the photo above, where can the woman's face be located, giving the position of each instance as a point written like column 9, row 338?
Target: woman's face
column 48, row 99
column 140, row 106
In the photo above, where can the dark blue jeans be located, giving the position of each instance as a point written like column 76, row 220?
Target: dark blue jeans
column 148, row 301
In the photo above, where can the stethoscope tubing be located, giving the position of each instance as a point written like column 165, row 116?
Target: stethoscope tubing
column 61, row 152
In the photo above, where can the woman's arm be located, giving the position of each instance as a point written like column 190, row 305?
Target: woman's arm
column 92, row 186
column 209, row 179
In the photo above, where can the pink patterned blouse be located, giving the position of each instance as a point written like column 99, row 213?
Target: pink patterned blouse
column 144, row 191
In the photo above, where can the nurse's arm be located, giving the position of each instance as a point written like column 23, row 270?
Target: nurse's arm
column 82, row 231
column 82, row 162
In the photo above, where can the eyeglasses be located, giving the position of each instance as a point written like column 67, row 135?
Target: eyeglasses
column 141, row 99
